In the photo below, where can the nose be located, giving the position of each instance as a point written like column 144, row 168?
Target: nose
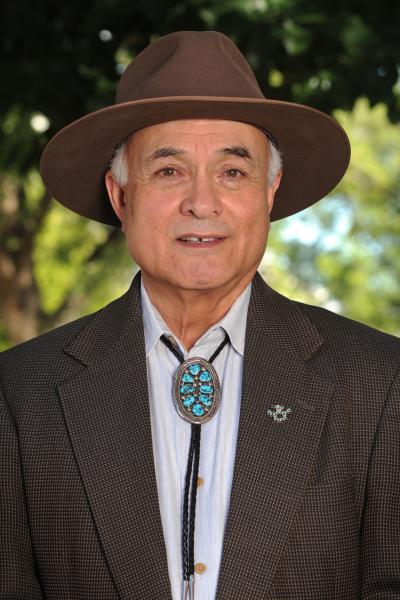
column 201, row 200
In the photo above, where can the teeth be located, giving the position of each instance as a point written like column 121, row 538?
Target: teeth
column 199, row 239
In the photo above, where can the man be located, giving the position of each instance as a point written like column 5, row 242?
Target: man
column 286, row 484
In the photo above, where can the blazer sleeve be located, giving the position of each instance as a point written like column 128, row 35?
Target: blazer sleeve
column 17, row 570
column 380, row 540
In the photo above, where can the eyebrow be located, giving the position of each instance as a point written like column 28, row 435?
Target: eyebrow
column 237, row 151
column 165, row 152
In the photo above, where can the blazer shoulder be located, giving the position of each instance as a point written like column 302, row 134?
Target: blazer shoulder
column 47, row 349
column 338, row 325
column 48, row 345
column 353, row 340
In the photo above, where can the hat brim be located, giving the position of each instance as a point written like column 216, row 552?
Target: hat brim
column 315, row 148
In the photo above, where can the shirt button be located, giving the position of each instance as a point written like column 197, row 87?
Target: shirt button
column 200, row 482
column 200, row 568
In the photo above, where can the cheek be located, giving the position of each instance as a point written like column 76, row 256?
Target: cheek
column 253, row 235
column 254, row 222
column 141, row 214
column 147, row 229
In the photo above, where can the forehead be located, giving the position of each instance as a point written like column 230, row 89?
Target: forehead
column 190, row 133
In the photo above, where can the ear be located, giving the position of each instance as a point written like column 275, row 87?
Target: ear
column 272, row 189
column 116, row 195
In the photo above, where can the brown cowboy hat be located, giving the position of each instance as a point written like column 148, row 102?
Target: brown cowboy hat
column 187, row 75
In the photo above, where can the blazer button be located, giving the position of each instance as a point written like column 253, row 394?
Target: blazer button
column 200, row 481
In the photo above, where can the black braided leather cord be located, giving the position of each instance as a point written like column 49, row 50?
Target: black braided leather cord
column 192, row 471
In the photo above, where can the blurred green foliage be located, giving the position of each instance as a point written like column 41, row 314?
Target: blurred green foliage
column 344, row 252
column 60, row 61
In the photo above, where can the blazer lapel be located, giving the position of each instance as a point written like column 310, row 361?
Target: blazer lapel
column 274, row 455
column 107, row 415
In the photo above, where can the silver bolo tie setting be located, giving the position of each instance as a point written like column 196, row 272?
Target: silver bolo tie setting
column 196, row 393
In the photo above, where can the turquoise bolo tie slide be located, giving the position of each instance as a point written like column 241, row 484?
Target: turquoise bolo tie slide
column 196, row 390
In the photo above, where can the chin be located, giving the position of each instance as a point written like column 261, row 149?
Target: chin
column 204, row 283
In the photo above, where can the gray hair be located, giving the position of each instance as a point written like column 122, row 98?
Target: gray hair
column 119, row 169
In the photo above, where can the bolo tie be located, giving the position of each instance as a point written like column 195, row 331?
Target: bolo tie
column 196, row 392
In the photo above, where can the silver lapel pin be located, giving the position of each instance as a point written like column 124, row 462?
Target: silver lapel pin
column 279, row 413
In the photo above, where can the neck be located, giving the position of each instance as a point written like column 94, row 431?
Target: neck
column 190, row 313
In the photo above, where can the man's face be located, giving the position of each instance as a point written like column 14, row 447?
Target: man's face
column 195, row 210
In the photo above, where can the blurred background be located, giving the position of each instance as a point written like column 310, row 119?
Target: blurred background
column 60, row 61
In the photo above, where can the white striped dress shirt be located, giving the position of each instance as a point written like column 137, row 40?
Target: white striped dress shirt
column 171, row 438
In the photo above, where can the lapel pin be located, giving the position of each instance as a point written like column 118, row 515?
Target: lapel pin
column 279, row 413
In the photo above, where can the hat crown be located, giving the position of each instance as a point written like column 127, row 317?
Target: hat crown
column 189, row 63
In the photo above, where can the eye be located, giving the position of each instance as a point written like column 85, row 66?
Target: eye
column 167, row 171
column 234, row 173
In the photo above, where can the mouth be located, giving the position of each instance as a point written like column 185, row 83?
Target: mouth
column 201, row 241
column 198, row 240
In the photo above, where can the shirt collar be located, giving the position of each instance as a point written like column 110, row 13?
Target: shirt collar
column 234, row 322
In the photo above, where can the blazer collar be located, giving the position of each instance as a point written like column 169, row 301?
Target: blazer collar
column 108, row 326
column 282, row 320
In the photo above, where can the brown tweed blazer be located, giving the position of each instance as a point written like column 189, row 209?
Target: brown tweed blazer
column 315, row 505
